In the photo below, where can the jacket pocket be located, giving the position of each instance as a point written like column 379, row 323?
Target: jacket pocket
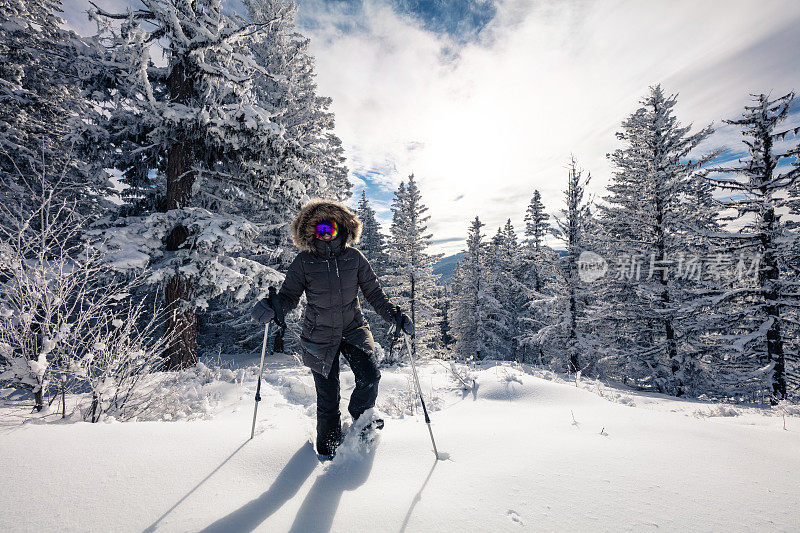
column 309, row 322
column 313, row 322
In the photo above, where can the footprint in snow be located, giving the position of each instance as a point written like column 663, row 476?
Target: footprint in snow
column 512, row 514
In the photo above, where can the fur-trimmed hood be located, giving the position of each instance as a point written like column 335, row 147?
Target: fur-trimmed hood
column 317, row 210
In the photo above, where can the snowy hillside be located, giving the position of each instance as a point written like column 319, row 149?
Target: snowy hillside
column 527, row 451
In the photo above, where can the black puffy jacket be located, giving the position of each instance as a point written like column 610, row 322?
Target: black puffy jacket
column 330, row 273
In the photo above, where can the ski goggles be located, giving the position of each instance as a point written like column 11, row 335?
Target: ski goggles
column 327, row 227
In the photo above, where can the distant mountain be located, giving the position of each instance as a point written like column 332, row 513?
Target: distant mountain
column 445, row 266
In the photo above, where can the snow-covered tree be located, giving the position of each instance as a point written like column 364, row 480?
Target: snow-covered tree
column 373, row 242
column 41, row 102
column 411, row 279
column 536, row 226
column 536, row 255
column 443, row 305
column 195, row 146
column 312, row 156
column 645, row 229
column 753, row 310
column 309, row 163
column 469, row 297
column 506, row 294
column 373, row 246
column 572, row 230
column 538, row 271
column 792, row 266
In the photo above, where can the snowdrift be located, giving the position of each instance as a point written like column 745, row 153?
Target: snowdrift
column 526, row 451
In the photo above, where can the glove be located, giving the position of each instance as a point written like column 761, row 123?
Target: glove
column 405, row 324
column 263, row 312
column 275, row 304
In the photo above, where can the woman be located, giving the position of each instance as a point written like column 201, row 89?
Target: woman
column 331, row 272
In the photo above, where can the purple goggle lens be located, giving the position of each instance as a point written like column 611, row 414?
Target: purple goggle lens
column 327, row 227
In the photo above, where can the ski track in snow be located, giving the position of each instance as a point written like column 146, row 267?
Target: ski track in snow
column 523, row 449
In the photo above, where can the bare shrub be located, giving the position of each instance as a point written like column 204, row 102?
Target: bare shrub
column 68, row 322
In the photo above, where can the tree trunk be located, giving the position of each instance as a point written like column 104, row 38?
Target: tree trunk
column 768, row 278
column 182, row 324
column 413, row 317
column 574, row 363
column 769, row 275
column 573, row 245
column 181, row 316
column 38, row 399
column 676, row 365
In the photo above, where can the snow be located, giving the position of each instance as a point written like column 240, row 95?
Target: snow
column 526, row 451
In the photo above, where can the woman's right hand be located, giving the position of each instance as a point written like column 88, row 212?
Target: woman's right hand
column 262, row 312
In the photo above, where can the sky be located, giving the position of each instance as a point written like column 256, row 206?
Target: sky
column 485, row 101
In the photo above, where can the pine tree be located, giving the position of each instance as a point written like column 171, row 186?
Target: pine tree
column 373, row 246
column 572, row 230
column 443, row 300
column 412, row 278
column 645, row 229
column 311, row 163
column 41, row 103
column 373, row 242
column 536, row 226
column 756, row 310
column 469, row 298
column 538, row 273
column 496, row 305
column 792, row 267
column 196, row 149
column 505, row 294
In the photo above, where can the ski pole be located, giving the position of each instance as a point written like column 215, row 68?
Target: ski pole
column 419, row 392
column 260, row 372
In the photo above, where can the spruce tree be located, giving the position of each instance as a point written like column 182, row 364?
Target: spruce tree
column 536, row 225
column 469, row 298
column 646, row 230
column 373, row 246
column 755, row 307
column 572, row 227
column 373, row 242
column 196, row 148
column 311, row 160
column 537, row 272
column 40, row 70
column 411, row 279
column 506, row 294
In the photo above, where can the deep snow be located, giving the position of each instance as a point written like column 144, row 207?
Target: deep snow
column 526, row 451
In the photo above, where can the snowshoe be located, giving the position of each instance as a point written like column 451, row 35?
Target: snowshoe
column 368, row 434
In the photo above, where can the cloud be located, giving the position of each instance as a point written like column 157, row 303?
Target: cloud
column 539, row 82
column 486, row 101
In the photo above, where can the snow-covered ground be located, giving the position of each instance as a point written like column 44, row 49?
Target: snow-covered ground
column 526, row 451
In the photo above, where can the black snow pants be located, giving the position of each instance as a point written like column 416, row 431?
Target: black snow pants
column 365, row 370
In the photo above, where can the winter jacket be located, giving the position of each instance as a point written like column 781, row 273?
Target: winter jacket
column 330, row 273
